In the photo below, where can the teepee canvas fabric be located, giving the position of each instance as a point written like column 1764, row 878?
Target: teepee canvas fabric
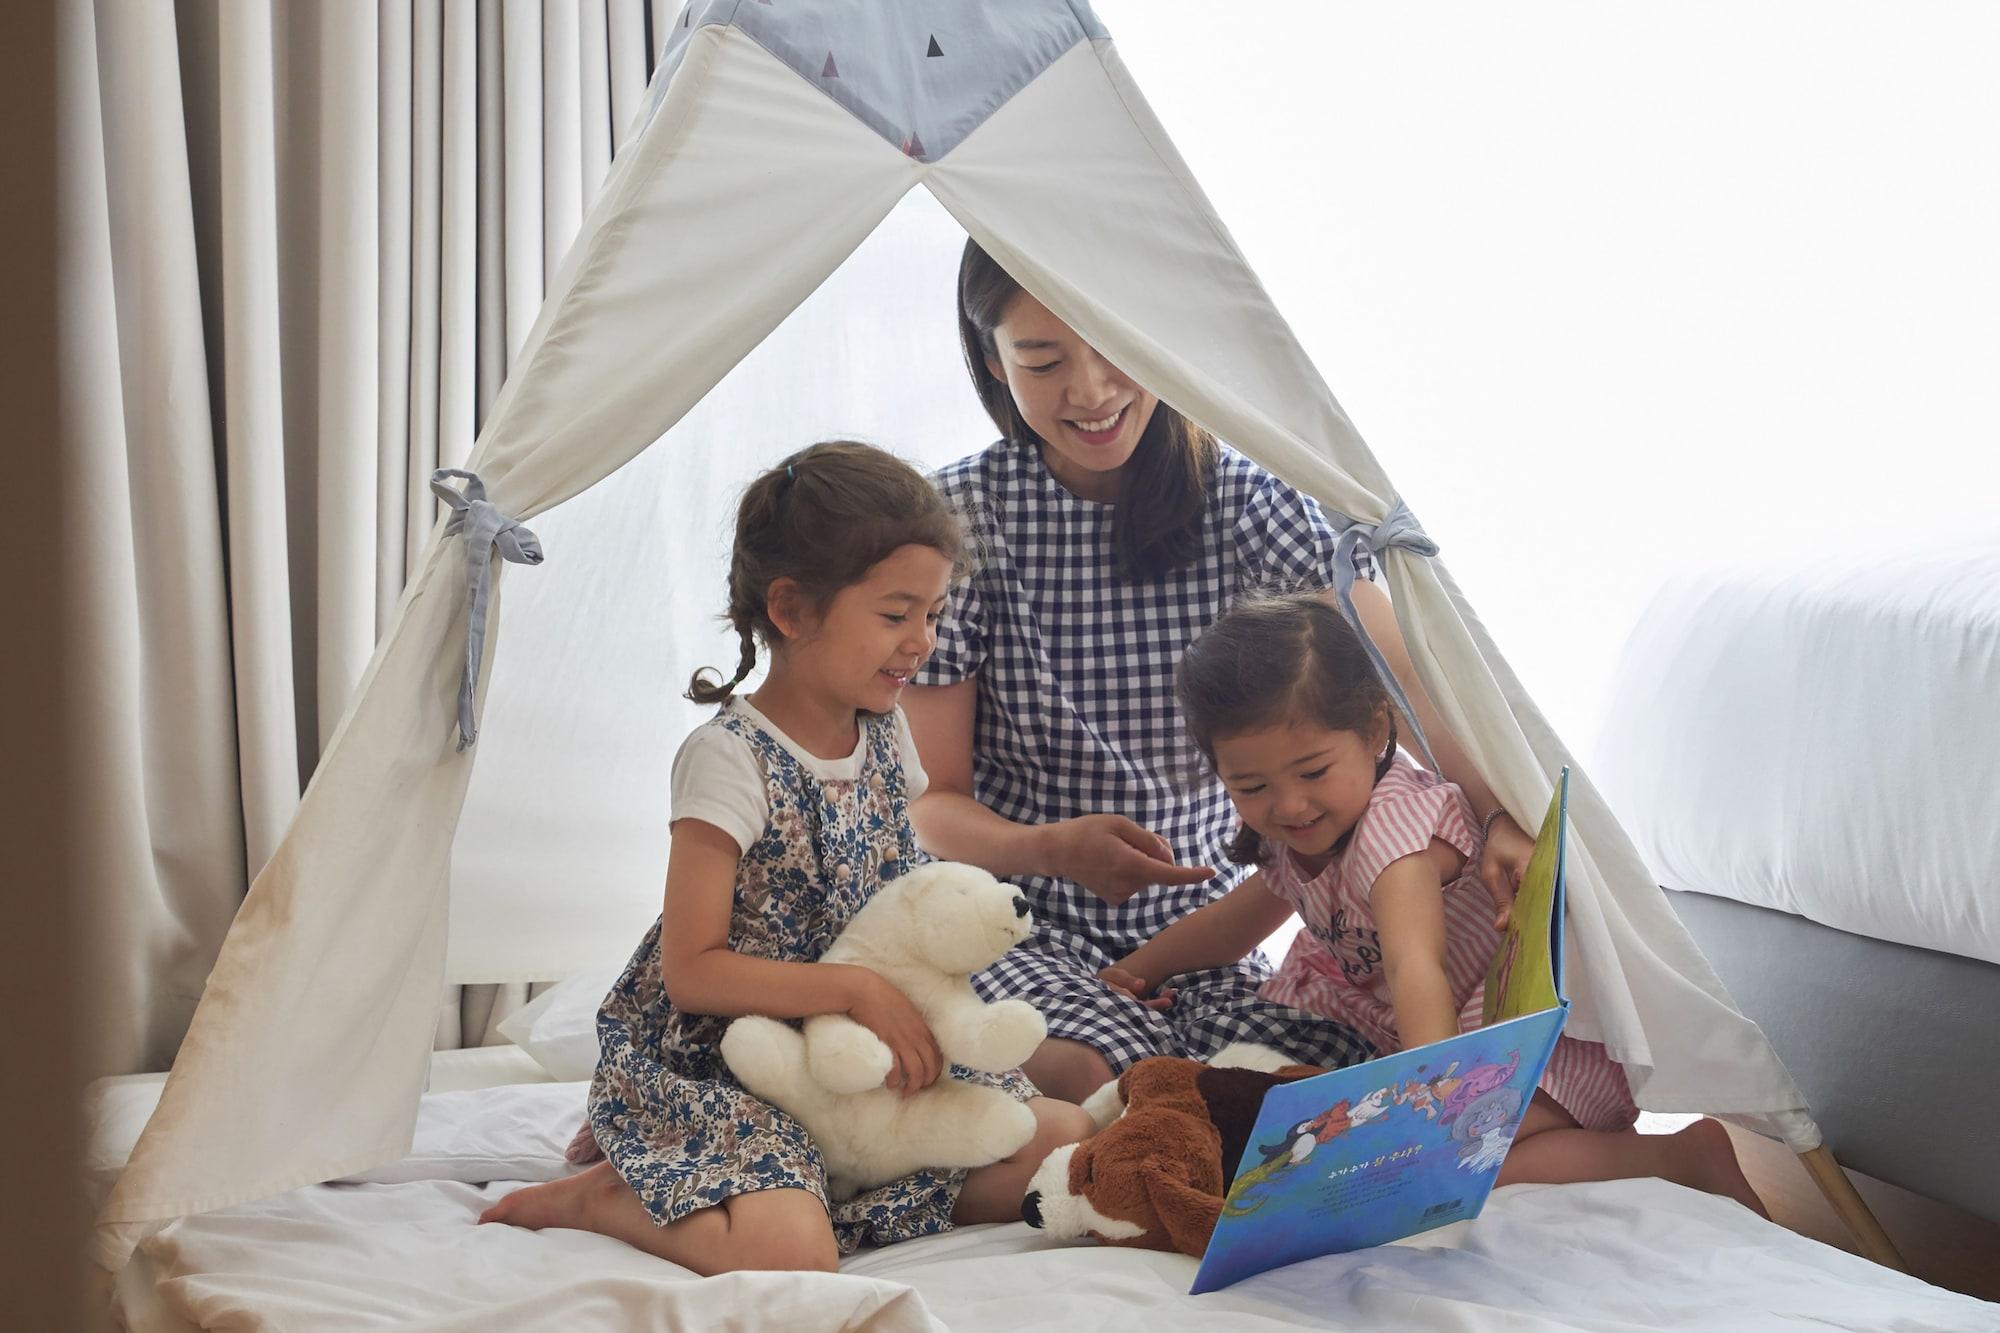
column 777, row 136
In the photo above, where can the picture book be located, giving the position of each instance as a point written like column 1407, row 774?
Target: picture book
column 1411, row 1141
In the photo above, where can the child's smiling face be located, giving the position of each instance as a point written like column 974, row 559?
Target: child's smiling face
column 875, row 633
column 1301, row 785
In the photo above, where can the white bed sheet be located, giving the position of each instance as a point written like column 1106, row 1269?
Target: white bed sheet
column 1615, row 1255
column 1823, row 740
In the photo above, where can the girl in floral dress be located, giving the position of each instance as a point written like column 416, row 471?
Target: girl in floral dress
column 790, row 808
column 1377, row 857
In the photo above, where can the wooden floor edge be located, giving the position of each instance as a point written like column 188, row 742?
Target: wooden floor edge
column 1937, row 1243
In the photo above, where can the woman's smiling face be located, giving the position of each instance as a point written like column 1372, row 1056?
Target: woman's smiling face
column 1087, row 411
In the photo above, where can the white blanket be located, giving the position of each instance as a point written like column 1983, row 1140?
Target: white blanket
column 1823, row 740
column 1616, row 1255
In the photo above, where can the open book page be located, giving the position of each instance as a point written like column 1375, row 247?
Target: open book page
column 1526, row 973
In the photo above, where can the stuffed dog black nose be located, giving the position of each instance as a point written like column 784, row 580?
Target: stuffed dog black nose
column 1031, row 1209
column 1020, row 905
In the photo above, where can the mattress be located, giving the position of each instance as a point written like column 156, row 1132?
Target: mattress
column 401, row 1249
column 1822, row 740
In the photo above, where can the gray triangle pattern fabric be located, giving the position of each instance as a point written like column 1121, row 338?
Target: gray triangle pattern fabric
column 923, row 74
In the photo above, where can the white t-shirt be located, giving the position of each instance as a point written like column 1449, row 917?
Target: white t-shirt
column 716, row 778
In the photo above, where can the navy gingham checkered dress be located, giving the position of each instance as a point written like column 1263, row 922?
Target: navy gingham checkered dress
column 1076, row 716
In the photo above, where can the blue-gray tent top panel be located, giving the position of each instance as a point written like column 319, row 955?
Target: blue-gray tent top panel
column 923, row 74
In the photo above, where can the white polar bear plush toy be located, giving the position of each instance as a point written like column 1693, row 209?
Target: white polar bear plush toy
column 924, row 932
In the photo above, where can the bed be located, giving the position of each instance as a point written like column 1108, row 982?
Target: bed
column 399, row 1248
column 1809, row 758
column 1848, row 911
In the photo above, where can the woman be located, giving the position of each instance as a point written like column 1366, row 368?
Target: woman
column 1110, row 530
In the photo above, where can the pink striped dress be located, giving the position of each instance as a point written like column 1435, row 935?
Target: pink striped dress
column 1334, row 967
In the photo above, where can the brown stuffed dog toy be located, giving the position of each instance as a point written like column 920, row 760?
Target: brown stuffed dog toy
column 1156, row 1176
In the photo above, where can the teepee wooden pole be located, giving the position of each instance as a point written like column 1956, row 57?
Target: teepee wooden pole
column 1852, row 1210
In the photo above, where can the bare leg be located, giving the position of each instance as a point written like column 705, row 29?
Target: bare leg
column 1551, row 1149
column 1067, row 1070
column 769, row 1229
column 993, row 1193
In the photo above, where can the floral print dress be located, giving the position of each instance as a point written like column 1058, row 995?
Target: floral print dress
column 664, row 1108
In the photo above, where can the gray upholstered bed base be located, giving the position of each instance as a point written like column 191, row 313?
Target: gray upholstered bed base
column 1897, row 1049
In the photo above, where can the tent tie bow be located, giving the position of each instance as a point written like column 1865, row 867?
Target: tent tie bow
column 1398, row 528
column 486, row 531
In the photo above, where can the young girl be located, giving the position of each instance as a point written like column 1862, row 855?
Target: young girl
column 790, row 808
column 1377, row 858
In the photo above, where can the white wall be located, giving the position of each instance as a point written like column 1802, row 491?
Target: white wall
column 1609, row 287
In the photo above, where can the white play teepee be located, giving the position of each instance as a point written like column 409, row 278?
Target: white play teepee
column 779, row 134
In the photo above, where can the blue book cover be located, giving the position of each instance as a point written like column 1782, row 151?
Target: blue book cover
column 1407, row 1142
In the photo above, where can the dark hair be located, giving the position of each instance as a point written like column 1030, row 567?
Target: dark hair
column 1273, row 657
column 823, row 518
column 1163, row 491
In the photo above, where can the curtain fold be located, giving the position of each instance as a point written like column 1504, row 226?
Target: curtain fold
column 351, row 593
column 159, row 812
column 303, row 241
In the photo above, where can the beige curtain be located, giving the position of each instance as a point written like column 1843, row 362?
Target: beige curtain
column 303, row 239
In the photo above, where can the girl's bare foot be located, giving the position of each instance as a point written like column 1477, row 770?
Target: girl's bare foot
column 568, row 1202
column 1705, row 1159
column 770, row 1229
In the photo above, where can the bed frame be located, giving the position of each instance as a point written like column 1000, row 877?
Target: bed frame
column 1895, row 1047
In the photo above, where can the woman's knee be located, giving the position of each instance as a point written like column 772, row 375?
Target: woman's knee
column 774, row 1230
column 1057, row 1125
column 1068, row 1070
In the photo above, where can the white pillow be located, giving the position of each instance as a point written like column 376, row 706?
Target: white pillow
column 115, row 1110
column 484, row 1134
column 479, row 1135
column 559, row 1026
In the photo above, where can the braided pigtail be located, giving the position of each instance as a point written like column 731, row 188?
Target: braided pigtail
column 707, row 686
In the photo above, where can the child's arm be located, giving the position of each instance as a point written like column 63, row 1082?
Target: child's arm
column 1213, row 936
column 705, row 976
column 1408, row 902
column 1505, row 857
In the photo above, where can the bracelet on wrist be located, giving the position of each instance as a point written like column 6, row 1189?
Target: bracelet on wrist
column 1486, row 828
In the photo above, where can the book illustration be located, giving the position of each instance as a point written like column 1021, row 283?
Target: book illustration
column 1374, row 1104
column 1427, row 1095
column 1486, row 1130
column 1525, row 975
column 1294, row 1149
column 1476, row 1084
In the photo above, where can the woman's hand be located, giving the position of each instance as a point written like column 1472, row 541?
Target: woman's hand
column 1115, row 858
column 888, row 1013
column 1502, row 862
column 1137, row 987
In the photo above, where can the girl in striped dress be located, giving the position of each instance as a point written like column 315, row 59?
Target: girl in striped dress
column 1378, row 858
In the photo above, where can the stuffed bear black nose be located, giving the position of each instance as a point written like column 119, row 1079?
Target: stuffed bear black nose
column 1031, row 1209
column 1020, row 905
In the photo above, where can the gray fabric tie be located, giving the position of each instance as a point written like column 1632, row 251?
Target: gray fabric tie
column 1397, row 528
column 486, row 530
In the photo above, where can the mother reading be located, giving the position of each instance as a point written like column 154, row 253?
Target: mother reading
column 1110, row 531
